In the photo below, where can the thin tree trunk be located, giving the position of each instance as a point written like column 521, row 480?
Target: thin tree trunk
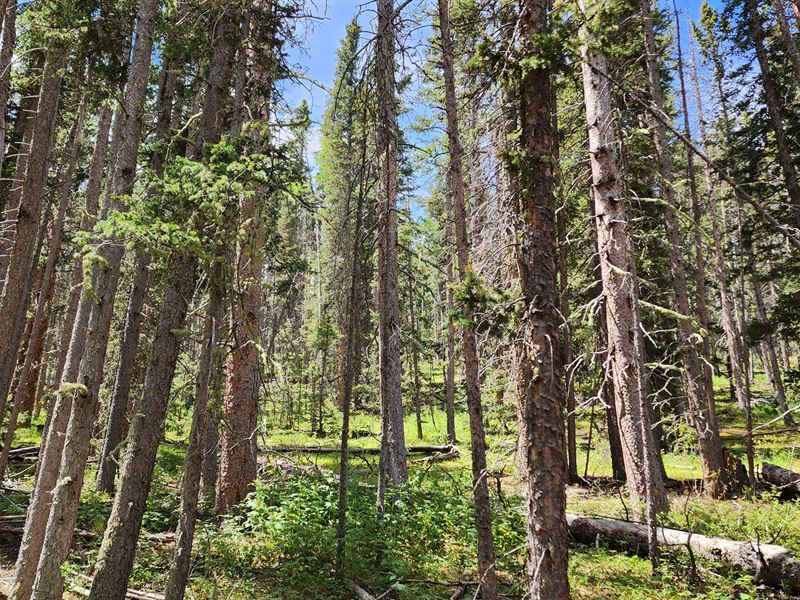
column 213, row 327
column 109, row 455
column 533, row 221
column 15, row 297
column 774, row 110
column 697, row 217
column 393, row 467
column 6, row 56
column 450, row 366
column 467, row 277
column 29, row 374
column 788, row 38
column 702, row 415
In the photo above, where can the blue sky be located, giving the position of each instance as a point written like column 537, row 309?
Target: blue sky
column 320, row 39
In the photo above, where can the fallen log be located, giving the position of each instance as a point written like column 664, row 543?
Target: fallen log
column 788, row 482
column 23, row 451
column 451, row 454
column 129, row 593
column 353, row 451
column 358, row 591
column 766, row 563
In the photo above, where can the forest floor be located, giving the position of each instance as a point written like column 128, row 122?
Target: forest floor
column 282, row 544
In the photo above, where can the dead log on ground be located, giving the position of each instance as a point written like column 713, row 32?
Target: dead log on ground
column 788, row 482
column 353, row 451
column 358, row 591
column 451, row 454
column 766, row 563
column 129, row 593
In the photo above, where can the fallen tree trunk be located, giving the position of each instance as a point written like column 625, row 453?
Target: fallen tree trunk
column 354, row 451
column 358, row 591
column 130, row 594
column 788, row 482
column 451, row 454
column 766, row 563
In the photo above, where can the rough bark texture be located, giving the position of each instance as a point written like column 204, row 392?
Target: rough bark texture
column 29, row 374
column 533, row 221
column 115, row 427
column 467, row 277
column 773, row 109
column 115, row 561
column 766, row 563
column 14, row 300
column 66, row 494
column 193, row 463
column 620, row 288
column 118, row 549
column 701, row 414
column 6, row 55
column 393, row 456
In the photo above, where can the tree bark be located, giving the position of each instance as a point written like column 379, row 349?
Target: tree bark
column 15, row 297
column 533, row 222
column 6, row 56
column 118, row 549
column 702, row 415
column 66, row 495
column 109, row 455
column 774, row 109
column 620, row 288
column 29, row 374
column 393, row 457
column 115, row 561
column 788, row 38
column 787, row 481
column 468, row 278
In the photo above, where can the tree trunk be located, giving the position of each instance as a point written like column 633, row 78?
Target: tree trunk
column 115, row 561
column 774, row 110
column 468, row 278
column 184, row 537
column 15, row 297
column 533, row 221
column 702, row 415
column 109, row 455
column 697, row 217
column 393, row 465
column 450, row 366
column 787, row 481
column 117, row 551
column 29, row 374
column 66, row 495
column 788, row 38
column 620, row 289
column 6, row 56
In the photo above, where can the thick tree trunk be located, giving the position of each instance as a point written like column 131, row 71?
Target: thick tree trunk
column 66, row 495
column 533, row 221
column 766, row 563
column 702, row 415
column 620, row 289
column 115, row 561
column 774, row 109
column 467, row 277
column 393, row 466
column 15, row 297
